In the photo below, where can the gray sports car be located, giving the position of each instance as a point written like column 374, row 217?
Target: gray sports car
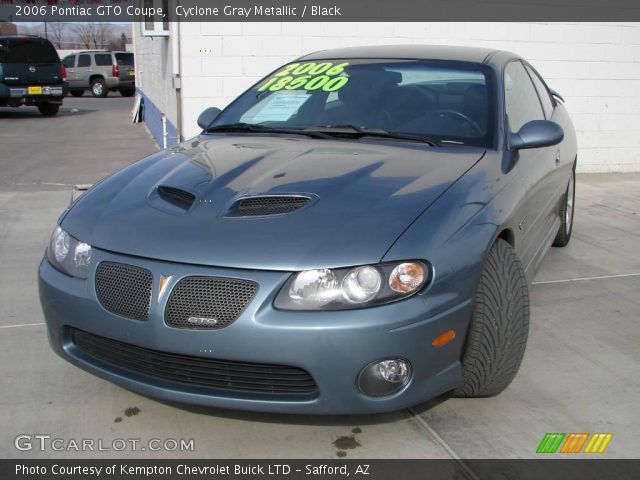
column 354, row 233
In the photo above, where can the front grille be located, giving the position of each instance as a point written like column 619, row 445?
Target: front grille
column 267, row 205
column 208, row 302
column 196, row 371
column 124, row 289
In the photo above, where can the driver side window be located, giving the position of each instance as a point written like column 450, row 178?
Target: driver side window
column 521, row 100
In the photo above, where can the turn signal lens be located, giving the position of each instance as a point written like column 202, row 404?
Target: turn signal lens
column 443, row 339
column 407, row 277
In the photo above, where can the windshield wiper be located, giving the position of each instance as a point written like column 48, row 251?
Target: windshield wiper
column 249, row 127
column 371, row 132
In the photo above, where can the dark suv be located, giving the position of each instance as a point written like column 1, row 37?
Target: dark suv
column 31, row 74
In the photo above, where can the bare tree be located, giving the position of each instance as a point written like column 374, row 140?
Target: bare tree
column 94, row 35
column 103, row 35
column 84, row 33
column 57, row 33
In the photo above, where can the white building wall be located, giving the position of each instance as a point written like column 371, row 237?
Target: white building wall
column 595, row 66
column 153, row 57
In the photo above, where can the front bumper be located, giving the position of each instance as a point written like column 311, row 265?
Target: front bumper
column 332, row 346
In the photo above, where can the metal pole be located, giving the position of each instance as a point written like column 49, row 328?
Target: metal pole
column 46, row 35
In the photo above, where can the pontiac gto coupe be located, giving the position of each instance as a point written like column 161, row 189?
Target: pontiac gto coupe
column 354, row 233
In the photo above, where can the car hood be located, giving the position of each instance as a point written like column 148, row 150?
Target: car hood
column 363, row 195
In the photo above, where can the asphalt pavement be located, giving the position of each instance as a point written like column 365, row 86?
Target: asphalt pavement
column 581, row 372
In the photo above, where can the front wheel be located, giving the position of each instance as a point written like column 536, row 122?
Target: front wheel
column 566, row 213
column 499, row 327
column 48, row 109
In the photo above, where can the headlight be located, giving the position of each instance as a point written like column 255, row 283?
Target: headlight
column 348, row 288
column 69, row 255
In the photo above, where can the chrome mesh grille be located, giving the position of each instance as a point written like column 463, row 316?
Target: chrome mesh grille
column 208, row 302
column 268, row 205
column 201, row 372
column 124, row 289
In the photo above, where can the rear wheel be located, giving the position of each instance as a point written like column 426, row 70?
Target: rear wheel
column 566, row 213
column 99, row 88
column 76, row 93
column 127, row 92
column 499, row 327
column 48, row 109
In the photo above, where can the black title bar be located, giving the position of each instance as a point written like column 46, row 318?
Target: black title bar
column 551, row 469
column 317, row 10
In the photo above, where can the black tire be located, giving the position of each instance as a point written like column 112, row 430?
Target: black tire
column 99, row 88
column 128, row 92
column 499, row 327
column 48, row 109
column 567, row 207
column 76, row 93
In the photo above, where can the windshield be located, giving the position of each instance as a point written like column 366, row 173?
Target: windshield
column 449, row 102
column 27, row 50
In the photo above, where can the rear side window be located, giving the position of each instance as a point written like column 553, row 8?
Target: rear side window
column 69, row 61
column 84, row 60
column 102, row 59
column 27, row 50
column 543, row 93
column 521, row 100
column 124, row 59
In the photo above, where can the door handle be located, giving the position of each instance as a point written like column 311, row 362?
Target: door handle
column 558, row 157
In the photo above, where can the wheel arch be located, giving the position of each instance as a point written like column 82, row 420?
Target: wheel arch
column 508, row 236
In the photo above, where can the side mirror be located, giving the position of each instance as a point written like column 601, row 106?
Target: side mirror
column 207, row 117
column 537, row 133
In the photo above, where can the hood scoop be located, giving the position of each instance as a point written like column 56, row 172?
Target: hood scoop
column 172, row 200
column 261, row 206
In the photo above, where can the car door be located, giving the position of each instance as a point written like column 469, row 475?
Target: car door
column 69, row 63
column 564, row 160
column 522, row 105
column 84, row 70
column 103, row 64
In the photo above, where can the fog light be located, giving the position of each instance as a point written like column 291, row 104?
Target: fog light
column 384, row 377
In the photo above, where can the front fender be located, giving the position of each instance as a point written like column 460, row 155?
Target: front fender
column 454, row 234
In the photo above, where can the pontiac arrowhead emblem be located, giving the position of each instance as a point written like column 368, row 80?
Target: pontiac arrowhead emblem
column 162, row 284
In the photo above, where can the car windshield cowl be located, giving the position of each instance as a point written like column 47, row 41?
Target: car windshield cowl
column 255, row 128
column 370, row 132
column 323, row 132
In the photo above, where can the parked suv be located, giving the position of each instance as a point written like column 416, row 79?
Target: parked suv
column 100, row 71
column 31, row 74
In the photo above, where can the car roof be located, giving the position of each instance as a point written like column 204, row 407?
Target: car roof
column 20, row 35
column 430, row 52
column 99, row 51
